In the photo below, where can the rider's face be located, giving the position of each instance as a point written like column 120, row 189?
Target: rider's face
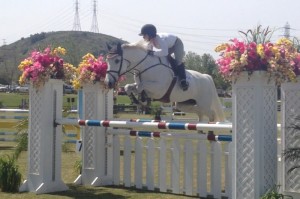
column 146, row 37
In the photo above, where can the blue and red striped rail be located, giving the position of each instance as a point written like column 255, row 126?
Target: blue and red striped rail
column 157, row 125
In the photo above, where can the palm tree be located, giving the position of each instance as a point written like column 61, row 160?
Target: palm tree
column 293, row 153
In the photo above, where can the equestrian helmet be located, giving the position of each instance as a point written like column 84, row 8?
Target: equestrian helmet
column 149, row 30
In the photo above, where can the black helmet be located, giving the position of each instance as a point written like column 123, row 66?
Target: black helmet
column 149, row 30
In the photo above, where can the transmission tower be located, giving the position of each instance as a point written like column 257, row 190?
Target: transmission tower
column 94, row 27
column 287, row 30
column 76, row 24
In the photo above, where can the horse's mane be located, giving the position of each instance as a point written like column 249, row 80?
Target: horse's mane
column 140, row 45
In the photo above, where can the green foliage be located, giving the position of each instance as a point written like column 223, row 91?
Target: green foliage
column 10, row 177
column 22, row 144
column 206, row 64
column 37, row 37
column 274, row 194
column 22, row 137
column 293, row 153
column 78, row 167
column 296, row 44
column 156, row 111
column 258, row 35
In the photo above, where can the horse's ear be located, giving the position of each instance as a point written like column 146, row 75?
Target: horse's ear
column 119, row 48
column 108, row 47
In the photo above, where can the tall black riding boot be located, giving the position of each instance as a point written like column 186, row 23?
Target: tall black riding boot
column 173, row 64
column 182, row 77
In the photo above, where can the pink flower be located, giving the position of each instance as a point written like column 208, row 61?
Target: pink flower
column 42, row 66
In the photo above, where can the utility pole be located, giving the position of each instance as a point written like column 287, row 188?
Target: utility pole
column 287, row 29
column 94, row 27
column 76, row 24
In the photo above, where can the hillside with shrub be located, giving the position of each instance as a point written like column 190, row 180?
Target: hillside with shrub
column 76, row 43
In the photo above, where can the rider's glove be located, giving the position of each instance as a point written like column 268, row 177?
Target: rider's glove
column 150, row 52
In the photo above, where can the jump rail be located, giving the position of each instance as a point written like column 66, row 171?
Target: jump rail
column 152, row 125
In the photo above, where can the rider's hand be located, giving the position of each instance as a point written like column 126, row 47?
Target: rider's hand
column 150, row 52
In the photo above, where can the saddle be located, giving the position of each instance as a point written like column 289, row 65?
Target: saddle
column 166, row 97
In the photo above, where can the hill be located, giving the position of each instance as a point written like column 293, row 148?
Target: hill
column 76, row 43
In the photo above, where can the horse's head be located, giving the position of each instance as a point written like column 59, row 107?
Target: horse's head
column 121, row 59
column 117, row 65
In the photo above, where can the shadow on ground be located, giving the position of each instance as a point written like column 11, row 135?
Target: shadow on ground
column 6, row 147
column 86, row 192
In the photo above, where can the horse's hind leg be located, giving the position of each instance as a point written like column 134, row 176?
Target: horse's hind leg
column 200, row 117
column 211, row 116
column 209, row 113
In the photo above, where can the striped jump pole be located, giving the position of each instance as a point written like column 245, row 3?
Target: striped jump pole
column 156, row 125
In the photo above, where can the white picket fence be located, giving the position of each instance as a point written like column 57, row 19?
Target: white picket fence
column 180, row 163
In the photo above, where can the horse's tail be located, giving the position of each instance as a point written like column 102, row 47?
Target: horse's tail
column 216, row 104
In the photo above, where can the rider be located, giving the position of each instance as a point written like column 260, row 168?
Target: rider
column 165, row 45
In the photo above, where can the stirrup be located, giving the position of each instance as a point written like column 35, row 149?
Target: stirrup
column 184, row 84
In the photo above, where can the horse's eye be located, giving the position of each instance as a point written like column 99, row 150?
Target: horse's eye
column 117, row 61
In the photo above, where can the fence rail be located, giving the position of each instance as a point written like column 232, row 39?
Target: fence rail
column 10, row 118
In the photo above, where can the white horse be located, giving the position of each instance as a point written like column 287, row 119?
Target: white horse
column 154, row 77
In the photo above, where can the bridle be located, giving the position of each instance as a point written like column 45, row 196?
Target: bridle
column 118, row 72
column 119, row 52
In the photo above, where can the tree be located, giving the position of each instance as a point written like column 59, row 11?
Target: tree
column 8, row 62
column 193, row 62
column 205, row 64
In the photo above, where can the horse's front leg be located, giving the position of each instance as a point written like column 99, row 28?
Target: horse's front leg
column 134, row 90
column 131, row 90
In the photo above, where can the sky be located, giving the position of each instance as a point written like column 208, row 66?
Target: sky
column 201, row 24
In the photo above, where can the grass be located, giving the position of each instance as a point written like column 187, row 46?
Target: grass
column 14, row 100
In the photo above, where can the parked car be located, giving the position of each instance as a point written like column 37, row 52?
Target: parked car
column 3, row 88
column 68, row 89
column 22, row 89
column 121, row 91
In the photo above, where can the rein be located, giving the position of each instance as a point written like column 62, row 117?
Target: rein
column 159, row 63
column 118, row 72
column 127, row 71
